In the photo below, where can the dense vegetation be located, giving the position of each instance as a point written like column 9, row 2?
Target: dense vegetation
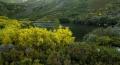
column 11, row 10
column 59, row 9
column 22, row 43
column 28, row 45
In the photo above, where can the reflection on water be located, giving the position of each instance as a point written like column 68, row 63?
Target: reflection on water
column 80, row 30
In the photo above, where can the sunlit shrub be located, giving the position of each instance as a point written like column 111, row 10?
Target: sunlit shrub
column 13, row 33
column 31, row 42
column 9, row 23
column 7, row 35
column 63, row 36
column 33, row 36
column 36, row 36
column 13, row 24
column 3, row 21
column 39, row 36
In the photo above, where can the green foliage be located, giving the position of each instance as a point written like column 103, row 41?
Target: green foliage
column 10, row 10
column 83, row 54
column 106, row 37
column 68, row 9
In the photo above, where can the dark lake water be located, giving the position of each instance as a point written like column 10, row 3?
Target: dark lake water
column 79, row 30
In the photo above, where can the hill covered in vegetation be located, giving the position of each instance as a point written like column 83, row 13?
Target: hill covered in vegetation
column 75, row 9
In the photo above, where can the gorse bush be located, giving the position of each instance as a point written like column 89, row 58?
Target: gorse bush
column 32, row 42
column 8, row 27
column 9, row 23
column 38, row 36
column 13, row 33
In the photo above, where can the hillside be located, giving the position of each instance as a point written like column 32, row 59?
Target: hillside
column 59, row 8
column 14, row 1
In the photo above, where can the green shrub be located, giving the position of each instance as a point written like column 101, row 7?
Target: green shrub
column 105, row 37
column 84, row 54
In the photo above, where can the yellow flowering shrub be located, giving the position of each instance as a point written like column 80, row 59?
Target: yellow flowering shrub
column 3, row 22
column 38, row 36
column 13, row 24
column 9, row 23
column 32, row 36
column 13, row 33
column 8, row 28
column 7, row 35
column 63, row 35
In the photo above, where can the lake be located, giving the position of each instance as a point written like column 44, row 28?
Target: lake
column 79, row 30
